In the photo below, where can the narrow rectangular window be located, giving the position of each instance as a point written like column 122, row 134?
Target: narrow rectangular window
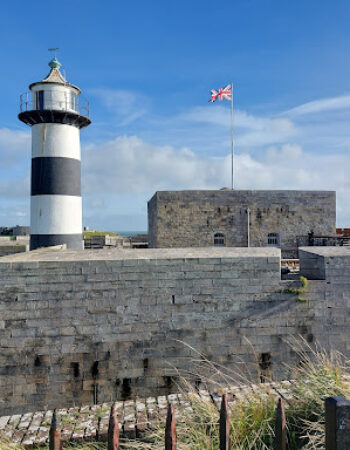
column 273, row 239
column 40, row 100
column 70, row 97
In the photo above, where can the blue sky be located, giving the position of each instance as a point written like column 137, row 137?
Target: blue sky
column 147, row 68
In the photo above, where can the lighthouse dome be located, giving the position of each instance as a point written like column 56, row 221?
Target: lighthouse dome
column 54, row 63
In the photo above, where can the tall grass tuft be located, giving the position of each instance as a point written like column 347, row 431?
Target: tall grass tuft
column 319, row 375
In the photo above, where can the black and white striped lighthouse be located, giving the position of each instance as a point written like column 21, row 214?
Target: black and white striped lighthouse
column 56, row 113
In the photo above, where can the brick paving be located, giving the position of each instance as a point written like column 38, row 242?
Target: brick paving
column 134, row 416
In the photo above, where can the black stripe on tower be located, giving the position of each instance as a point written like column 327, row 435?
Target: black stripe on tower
column 56, row 176
column 73, row 241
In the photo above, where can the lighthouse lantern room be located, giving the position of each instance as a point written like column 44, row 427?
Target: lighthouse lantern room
column 56, row 112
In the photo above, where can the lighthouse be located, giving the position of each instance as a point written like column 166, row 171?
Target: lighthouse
column 56, row 112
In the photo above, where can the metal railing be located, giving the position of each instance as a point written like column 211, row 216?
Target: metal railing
column 57, row 101
column 320, row 241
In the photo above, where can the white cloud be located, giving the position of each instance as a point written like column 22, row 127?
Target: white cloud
column 291, row 152
column 126, row 106
column 14, row 177
column 17, row 187
column 317, row 106
column 14, row 163
column 14, row 213
column 250, row 130
column 129, row 165
column 14, row 147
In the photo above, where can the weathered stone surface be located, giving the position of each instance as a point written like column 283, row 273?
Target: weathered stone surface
column 10, row 248
column 95, row 326
column 191, row 218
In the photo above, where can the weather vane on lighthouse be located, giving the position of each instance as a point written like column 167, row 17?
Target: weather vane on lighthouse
column 54, row 50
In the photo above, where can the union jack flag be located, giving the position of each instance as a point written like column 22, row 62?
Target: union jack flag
column 221, row 94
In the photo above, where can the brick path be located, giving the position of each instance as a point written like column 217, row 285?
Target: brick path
column 134, row 416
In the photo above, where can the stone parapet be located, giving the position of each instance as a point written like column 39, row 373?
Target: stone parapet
column 93, row 326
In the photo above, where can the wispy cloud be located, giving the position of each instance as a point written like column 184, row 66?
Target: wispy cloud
column 318, row 106
column 126, row 106
column 251, row 130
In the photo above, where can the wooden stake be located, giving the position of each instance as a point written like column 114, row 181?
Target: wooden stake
column 225, row 443
column 113, row 431
column 170, row 430
column 55, row 434
column 280, row 427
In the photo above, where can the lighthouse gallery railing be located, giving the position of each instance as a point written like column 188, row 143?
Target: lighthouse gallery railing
column 59, row 102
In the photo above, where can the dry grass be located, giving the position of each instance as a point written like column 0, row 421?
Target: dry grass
column 319, row 375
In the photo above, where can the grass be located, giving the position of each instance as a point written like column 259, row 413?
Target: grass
column 304, row 282
column 318, row 375
column 293, row 291
column 89, row 234
column 298, row 291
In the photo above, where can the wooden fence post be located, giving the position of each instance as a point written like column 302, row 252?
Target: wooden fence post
column 225, row 443
column 113, row 431
column 337, row 423
column 55, row 434
column 170, row 429
column 280, row 427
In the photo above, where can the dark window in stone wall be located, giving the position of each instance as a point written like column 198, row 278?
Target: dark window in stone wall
column 273, row 239
column 219, row 240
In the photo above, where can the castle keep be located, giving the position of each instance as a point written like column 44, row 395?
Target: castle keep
column 239, row 218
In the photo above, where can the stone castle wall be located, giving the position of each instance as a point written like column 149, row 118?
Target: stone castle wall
column 9, row 248
column 93, row 326
column 191, row 218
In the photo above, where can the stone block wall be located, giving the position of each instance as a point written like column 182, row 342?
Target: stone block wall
column 9, row 248
column 191, row 218
column 312, row 265
column 94, row 326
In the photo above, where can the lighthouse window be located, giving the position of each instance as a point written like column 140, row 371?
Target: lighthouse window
column 219, row 240
column 71, row 100
column 39, row 100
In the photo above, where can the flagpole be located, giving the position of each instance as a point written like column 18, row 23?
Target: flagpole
column 232, row 153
